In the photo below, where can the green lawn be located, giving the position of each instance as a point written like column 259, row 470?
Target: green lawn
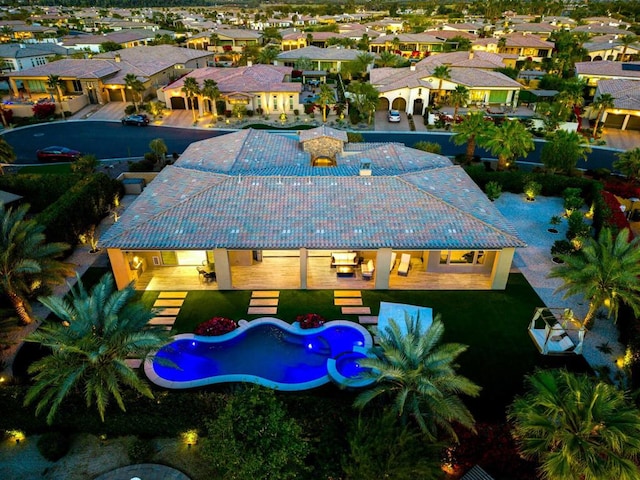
column 492, row 323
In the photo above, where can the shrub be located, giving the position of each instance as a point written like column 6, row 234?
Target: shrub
column 44, row 110
column 430, row 147
column 129, row 110
column 532, row 189
column 561, row 247
column 493, row 190
column 355, row 137
column 572, row 199
column 249, row 113
column 296, row 112
column 215, row 326
column 39, row 190
column 310, row 320
column 576, row 226
column 140, row 450
column 145, row 165
column 259, row 111
column 54, row 445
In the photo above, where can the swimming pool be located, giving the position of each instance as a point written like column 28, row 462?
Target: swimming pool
column 268, row 352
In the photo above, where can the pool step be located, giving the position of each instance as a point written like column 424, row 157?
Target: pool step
column 347, row 293
column 169, row 302
column 171, row 312
column 263, row 302
column 265, row 294
column 348, row 302
column 262, row 310
column 182, row 295
column 368, row 319
column 356, row 311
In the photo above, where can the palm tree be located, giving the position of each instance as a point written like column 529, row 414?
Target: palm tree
column 577, row 427
column 303, row 63
column 626, row 40
column 214, row 40
column 629, row 164
column 27, row 262
column 7, row 155
column 268, row 55
column 388, row 59
column 54, row 84
column 420, row 374
column 601, row 103
column 441, row 72
column 326, row 97
column 507, row 142
column 459, row 96
column 563, row 150
column 191, row 89
column 473, row 126
column 364, row 97
column 97, row 333
column 606, row 271
column 135, row 85
column 211, row 91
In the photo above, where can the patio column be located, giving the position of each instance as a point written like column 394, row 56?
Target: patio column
column 625, row 122
column 383, row 261
column 304, row 254
column 425, row 260
column 501, row 268
column 223, row 270
column 119, row 267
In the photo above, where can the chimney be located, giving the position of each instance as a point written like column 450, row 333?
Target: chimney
column 117, row 58
column 365, row 167
column 249, row 63
column 471, row 54
column 412, row 68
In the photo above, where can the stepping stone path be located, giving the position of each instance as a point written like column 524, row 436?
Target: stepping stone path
column 264, row 302
column 351, row 302
column 368, row 319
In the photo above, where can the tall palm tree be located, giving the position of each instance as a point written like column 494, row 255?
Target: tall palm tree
column 441, row 72
column 606, row 271
column 388, row 59
column 603, row 102
column 364, row 97
column 562, row 151
column 136, row 86
column 211, row 91
column 577, row 427
column 507, row 142
column 268, row 55
column 7, row 155
column 191, row 89
column 459, row 96
column 326, row 97
column 27, row 262
column 473, row 127
column 626, row 41
column 97, row 333
column 629, row 164
column 419, row 373
column 54, row 84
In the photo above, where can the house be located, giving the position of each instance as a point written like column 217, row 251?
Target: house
column 20, row 56
column 257, row 87
column 610, row 47
column 417, row 45
column 328, row 59
column 593, row 72
column 253, row 204
column 625, row 114
column 17, row 30
column 526, row 47
column 124, row 38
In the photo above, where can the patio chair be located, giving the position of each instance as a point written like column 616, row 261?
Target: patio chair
column 405, row 265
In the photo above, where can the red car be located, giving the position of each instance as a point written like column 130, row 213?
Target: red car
column 57, row 154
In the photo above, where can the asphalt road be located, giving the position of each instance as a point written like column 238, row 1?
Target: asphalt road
column 113, row 140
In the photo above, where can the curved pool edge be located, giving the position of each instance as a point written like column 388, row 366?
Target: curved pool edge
column 346, row 382
column 244, row 325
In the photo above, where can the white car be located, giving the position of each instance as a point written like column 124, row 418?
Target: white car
column 393, row 116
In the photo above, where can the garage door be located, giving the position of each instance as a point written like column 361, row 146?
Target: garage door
column 614, row 121
column 383, row 104
column 177, row 103
column 634, row 123
column 399, row 104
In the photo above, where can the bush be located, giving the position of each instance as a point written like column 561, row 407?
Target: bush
column 493, row 190
column 40, row 191
column 54, row 445
column 44, row 110
column 430, row 147
column 576, row 226
column 129, row 110
column 572, row 199
column 532, row 189
column 310, row 320
column 142, row 166
column 561, row 247
column 355, row 137
column 215, row 326
column 140, row 450
column 249, row 113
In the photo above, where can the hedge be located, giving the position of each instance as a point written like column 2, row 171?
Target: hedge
column 82, row 207
column 39, row 190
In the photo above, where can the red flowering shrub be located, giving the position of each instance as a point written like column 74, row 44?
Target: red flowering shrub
column 44, row 110
column 623, row 189
column 616, row 218
column 310, row 320
column 216, row 326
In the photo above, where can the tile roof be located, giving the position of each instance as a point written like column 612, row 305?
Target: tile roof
column 478, row 59
column 323, row 131
column 521, row 40
column 316, row 53
column 245, row 190
column 607, row 68
column 626, row 93
column 71, row 68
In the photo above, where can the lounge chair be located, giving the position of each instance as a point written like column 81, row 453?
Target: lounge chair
column 393, row 261
column 367, row 270
column 405, row 265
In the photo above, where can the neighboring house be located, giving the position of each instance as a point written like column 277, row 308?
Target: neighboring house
column 415, row 88
column 327, row 59
column 293, row 41
column 526, row 47
column 593, row 72
column 233, row 40
column 541, row 30
column 599, row 29
column 124, row 38
column 254, row 205
column 625, row 114
column 610, row 47
column 15, row 57
column 101, row 79
column 17, row 30
column 264, row 87
column 416, row 45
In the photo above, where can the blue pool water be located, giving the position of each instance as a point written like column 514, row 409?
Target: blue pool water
column 267, row 351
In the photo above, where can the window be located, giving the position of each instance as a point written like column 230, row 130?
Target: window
column 462, row 257
column 290, row 102
column 275, row 102
column 77, row 85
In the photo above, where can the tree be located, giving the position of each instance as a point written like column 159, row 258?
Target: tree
column 136, row 86
column 85, row 165
column 28, row 263
column 364, row 97
column 441, row 72
column 214, row 40
column 379, row 447
column 191, row 89
column 326, row 97
column 507, row 142
column 629, row 164
column 211, row 91
column 250, row 53
column 303, row 64
column 388, row 59
column 54, row 84
column 419, row 373
column 430, row 147
column 563, row 150
column 110, row 46
column 159, row 150
column 626, row 41
column 7, row 155
column 577, row 427
column 606, row 271
column 357, row 68
column 473, row 126
column 253, row 437
column 97, row 332
column 459, row 96
column 600, row 104
column 268, row 55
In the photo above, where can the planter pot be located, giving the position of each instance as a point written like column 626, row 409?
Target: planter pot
column 557, row 260
column 552, row 230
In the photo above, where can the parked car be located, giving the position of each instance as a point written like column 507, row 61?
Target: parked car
column 139, row 119
column 57, row 154
column 393, row 116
